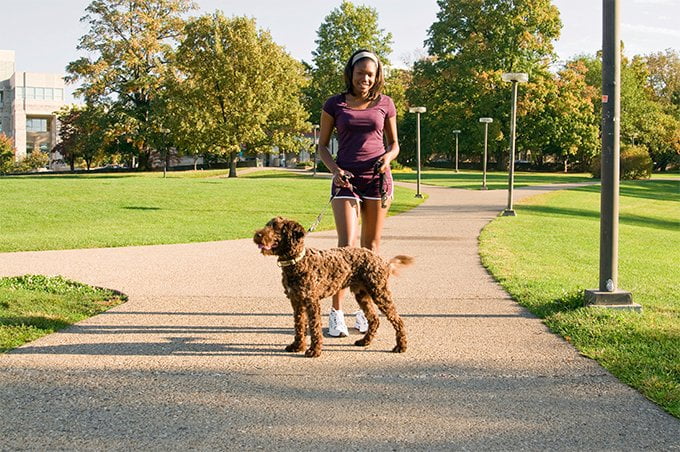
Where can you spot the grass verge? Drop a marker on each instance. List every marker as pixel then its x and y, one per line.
pixel 112 210
pixel 547 255
pixel 33 306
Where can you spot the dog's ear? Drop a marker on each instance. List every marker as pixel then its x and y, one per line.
pixel 293 230
pixel 298 230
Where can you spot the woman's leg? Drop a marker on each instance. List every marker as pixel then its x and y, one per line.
pixel 372 221
pixel 346 224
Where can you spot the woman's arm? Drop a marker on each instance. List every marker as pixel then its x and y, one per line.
pixel 325 131
pixel 392 143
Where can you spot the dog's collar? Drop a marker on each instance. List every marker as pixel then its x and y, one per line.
pixel 292 261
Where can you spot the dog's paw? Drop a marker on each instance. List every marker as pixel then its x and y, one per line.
pixel 313 352
pixel 399 348
pixel 362 342
pixel 295 347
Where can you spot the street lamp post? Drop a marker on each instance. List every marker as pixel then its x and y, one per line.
pixel 456 132
pixel 609 295
pixel 515 78
pixel 316 148
pixel 418 111
pixel 486 122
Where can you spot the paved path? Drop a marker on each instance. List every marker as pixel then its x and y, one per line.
pixel 194 359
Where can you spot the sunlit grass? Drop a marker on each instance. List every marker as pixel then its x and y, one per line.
pixel 549 254
pixel 112 210
pixel 32 306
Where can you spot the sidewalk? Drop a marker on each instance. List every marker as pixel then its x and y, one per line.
pixel 194 359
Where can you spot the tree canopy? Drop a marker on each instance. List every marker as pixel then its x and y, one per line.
pixel 346 29
pixel 130 43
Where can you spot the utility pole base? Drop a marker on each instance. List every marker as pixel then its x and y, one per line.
pixel 618 299
pixel 509 213
pixel 418 195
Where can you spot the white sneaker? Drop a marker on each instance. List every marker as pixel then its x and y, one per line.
pixel 336 324
pixel 361 322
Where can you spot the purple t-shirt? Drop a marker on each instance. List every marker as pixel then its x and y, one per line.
pixel 360 132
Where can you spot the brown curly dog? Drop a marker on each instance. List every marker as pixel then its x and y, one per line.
pixel 310 275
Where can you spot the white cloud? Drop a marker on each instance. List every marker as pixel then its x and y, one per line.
pixel 653 2
pixel 651 30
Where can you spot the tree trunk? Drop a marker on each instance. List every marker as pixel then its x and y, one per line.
pixel 232 164
pixel 566 163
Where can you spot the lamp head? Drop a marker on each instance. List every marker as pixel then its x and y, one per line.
pixel 417 110
pixel 521 77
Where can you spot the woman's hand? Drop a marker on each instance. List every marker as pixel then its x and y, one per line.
pixel 341 178
pixel 385 165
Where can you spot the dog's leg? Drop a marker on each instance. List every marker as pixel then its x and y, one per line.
pixel 383 299
pixel 366 305
pixel 300 328
pixel 314 317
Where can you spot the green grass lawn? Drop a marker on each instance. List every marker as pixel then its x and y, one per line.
pixel 494 180
pixel 32 306
pixel 111 210
pixel 547 255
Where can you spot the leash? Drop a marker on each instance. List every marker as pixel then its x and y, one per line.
pixel 383 194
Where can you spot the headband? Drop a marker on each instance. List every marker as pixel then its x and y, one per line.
pixel 361 55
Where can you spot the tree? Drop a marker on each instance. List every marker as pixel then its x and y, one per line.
pixel 345 30
pixel 6 154
pixel 130 42
pixel 470 45
pixel 241 91
pixel 512 35
pixel 85 133
pixel 664 79
pixel 67 146
pixel 567 126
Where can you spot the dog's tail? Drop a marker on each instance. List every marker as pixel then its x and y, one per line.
pixel 397 262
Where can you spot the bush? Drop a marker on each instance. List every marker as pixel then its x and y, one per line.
pixel 6 154
pixel 635 163
pixel 32 162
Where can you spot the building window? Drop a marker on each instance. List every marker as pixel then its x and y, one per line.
pixel 2 97
pixel 49 93
pixel 36 125
pixel 44 148
pixel 58 94
pixel 30 92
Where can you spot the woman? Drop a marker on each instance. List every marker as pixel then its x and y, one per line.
pixel 362 182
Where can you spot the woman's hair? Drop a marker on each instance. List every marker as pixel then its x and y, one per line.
pixel 377 87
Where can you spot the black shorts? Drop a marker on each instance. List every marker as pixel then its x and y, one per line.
pixel 365 185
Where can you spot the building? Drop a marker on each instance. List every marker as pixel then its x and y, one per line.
pixel 28 103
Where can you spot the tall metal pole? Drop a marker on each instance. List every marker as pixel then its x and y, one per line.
pixel 486 134
pixel 608 293
pixel 456 132
pixel 611 113
pixel 511 173
pixel 418 195
pixel 316 150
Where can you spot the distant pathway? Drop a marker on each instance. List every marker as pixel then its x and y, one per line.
pixel 194 359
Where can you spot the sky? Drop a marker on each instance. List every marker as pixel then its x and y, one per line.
pixel 44 33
